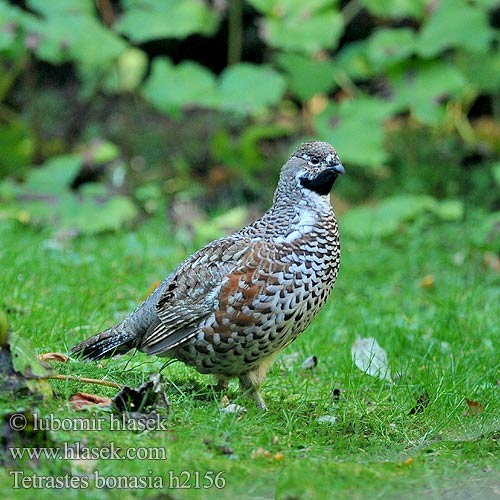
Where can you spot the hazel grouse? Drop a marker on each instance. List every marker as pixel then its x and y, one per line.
pixel 232 306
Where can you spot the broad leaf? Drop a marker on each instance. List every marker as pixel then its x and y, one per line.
pixel 397 8
pixel 307 76
pixel 145 20
pixel 425 86
pixel 353 60
pixel 128 71
pixel 482 72
pixel 370 358
pixel 308 35
pixel 57 173
pixel 455 23
pixel 386 218
pixel 70 30
pixel 356 128
pixel 389 46
pixel 295 25
pixel 171 88
pixel 249 88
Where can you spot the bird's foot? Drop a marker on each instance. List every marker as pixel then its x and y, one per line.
pixel 220 386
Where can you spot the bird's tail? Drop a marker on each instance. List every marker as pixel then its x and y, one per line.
pixel 106 344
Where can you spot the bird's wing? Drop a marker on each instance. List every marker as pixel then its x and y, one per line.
pixel 195 289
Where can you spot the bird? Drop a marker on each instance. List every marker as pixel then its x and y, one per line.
pixel 229 308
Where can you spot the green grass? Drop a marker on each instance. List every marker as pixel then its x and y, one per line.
pixel 443 340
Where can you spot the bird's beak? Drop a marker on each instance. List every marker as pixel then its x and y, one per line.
pixel 338 168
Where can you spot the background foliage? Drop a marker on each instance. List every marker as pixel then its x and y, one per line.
pixel 107 108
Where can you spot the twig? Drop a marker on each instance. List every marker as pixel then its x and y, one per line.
pixel 351 10
pixel 235 32
pixel 84 380
pixel 106 12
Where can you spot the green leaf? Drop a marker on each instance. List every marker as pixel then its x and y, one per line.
pixel 10 18
pixel 482 72
pixel 295 25
pixel 355 127
pixel 397 8
pixel 70 30
pixel 91 216
pixel 244 88
pixel 249 88
pixel 353 60
pixel 496 172
pixel 16 148
pixel 307 35
pixel 46 198
pixel 449 210
pixel 128 71
pixel 486 233
pixel 307 76
pixel 385 218
pixel 24 360
pixel 61 7
pixel 389 46
pixel 171 88
pixel 145 20
pixel 455 23
pixel 26 364
pixel 56 174
pixel 424 87
pixel 280 8
pixel 103 152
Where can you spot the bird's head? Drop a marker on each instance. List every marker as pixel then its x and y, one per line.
pixel 313 167
pixel 319 168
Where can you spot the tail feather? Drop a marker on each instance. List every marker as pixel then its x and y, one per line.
pixel 126 335
pixel 104 345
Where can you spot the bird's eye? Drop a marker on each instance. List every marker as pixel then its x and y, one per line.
pixel 314 161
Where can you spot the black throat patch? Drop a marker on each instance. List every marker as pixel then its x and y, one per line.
pixel 321 183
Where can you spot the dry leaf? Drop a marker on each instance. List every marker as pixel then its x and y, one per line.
pixel 473 408
pixel 310 363
pixel 492 261
pixel 53 356
pixel 290 359
pixel 428 281
pixel 260 452
pixel 81 400
pixel 234 408
pixel 370 358
pixel 327 419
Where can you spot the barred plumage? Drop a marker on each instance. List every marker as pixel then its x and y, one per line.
pixel 231 306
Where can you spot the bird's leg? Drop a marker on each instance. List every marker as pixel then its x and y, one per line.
pixel 221 385
pixel 251 382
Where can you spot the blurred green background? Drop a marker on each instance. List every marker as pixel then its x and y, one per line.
pixel 112 111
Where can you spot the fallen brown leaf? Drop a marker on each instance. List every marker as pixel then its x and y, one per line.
pixel 81 400
pixel 492 261
pixel 473 408
pixel 53 356
pixel 260 452
pixel 428 281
